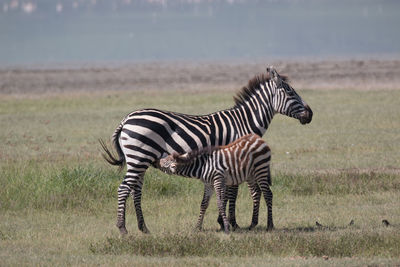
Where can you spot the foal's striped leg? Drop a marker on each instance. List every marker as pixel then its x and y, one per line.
pixel 256 196
pixel 231 193
pixel 266 190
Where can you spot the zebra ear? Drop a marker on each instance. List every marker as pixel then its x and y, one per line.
pixel 271 70
pixel 274 76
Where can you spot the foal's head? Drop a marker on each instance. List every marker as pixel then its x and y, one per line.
pixel 168 164
pixel 171 163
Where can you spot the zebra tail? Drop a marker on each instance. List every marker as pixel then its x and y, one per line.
pixel 108 156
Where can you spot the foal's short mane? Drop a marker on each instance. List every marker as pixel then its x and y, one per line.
pixel 253 86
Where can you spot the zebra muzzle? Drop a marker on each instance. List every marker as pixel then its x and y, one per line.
pixel 306 116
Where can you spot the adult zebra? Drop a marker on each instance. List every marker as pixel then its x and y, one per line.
pixel 246 159
pixel 145 136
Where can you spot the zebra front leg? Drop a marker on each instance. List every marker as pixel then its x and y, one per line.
pixel 204 204
pixel 123 192
pixel 268 199
pixel 255 192
pixel 219 187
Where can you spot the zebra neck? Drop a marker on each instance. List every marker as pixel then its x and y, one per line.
pixel 253 117
pixel 192 169
pixel 187 172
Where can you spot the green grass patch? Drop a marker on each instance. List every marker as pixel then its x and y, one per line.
pixel 159 184
pixel 56 187
pixel 35 186
pixel 349 130
pixel 50 187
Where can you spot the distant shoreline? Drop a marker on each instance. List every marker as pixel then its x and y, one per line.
pixel 233 61
pixel 315 74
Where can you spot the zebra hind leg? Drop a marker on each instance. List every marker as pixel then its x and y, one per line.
pixel 131 183
pixel 256 196
pixel 123 192
pixel 137 198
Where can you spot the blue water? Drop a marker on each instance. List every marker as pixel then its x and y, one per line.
pixel 216 30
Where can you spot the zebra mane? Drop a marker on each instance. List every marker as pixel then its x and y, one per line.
pixel 252 87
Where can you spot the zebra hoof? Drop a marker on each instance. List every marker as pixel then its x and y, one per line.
pixel 235 227
pixel 143 228
pixel 224 229
pixel 221 229
pixel 123 230
pixel 227 229
pixel 251 227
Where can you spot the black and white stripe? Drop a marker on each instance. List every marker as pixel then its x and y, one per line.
pixel 145 136
pixel 246 159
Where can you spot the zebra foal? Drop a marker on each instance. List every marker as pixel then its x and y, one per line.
pixel 246 159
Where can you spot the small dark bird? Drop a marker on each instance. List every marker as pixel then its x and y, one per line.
pixel 318 224
pixel 385 223
pixel 351 222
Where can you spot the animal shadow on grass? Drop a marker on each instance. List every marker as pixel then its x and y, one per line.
pixel 261 229
pixel 306 229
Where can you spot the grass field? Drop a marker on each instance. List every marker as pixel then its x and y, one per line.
pixel 58 196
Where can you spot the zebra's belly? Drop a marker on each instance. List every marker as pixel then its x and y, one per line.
pixel 235 179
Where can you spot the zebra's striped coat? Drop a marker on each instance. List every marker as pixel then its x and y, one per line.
pixel 246 159
pixel 145 136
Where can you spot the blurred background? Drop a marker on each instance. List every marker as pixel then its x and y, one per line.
pixel 76 31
